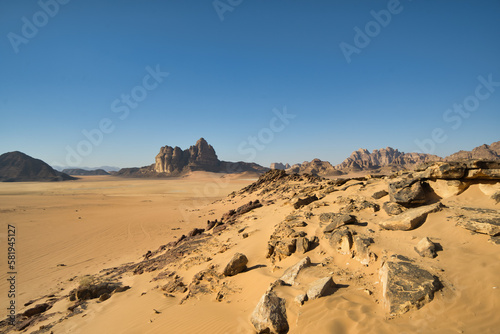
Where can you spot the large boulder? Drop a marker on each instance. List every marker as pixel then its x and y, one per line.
pixel 446 170
pixel 236 265
pixel 292 272
pixel 483 174
pixel 322 287
pixel 406 286
pixel 410 219
pixel 407 192
pixel 269 316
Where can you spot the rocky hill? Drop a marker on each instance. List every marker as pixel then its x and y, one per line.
pixel 173 161
pixel 488 152
pixel 17 166
pixel 315 167
pixel 79 171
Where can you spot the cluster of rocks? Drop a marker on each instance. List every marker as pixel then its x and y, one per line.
pixel 286 240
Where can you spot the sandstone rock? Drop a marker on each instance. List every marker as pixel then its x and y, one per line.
pixel 292 272
pixel 393 208
pixel 341 241
pixel 301 299
pixel 302 245
pixel 483 174
pixel 426 248
pixel 195 231
pixel 380 194
pixel 339 220
pixel 411 218
pixel 269 315
pixel 485 221
pixel 236 265
pixel 406 286
pixel 320 288
pixel 407 192
pixel 361 250
pixel 446 170
pixel 300 202
pixel 448 188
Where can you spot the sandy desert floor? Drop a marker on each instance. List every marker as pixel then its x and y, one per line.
pixel 102 222
pixel 96 222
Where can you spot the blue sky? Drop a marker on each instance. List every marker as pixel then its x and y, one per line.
pixel 225 78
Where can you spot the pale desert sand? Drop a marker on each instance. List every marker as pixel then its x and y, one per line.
pixel 121 219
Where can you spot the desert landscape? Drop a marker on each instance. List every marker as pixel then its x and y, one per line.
pixel 414 251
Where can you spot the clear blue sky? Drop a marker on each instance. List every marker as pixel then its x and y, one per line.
pixel 227 76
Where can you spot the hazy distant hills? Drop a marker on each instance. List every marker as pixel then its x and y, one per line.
pixel 82 172
pixel 387 160
pixel 17 166
pixel 105 168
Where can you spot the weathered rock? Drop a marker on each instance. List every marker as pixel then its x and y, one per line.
pixel 407 192
pixel 302 245
pixel 483 174
pixel 322 287
pixel 380 194
pixel 40 308
pixel 292 272
pixel 356 203
pixel 485 221
pixel 339 220
pixel 269 315
pixel 236 265
pixel 426 248
pixel 175 286
pixel 496 197
pixel 301 299
pixel 393 208
pixel 104 296
pixel 448 188
pixel 300 202
pixel 406 286
pixel 446 170
pixel 411 218
pixel 195 231
pixel 361 250
pixel 341 241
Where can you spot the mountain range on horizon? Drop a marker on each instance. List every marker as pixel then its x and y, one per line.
pixel 173 161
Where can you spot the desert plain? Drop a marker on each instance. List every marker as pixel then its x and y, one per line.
pixel 104 226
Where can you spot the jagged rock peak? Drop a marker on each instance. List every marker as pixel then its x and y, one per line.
pixel 173 161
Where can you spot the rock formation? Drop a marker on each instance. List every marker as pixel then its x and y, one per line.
pixel 315 167
pixel 79 171
pixel 17 166
pixel 279 165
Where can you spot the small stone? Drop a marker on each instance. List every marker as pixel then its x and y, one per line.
pixel 426 248
pixel 320 288
pixel 236 265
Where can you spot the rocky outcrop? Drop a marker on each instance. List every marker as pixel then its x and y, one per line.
pixel 17 167
pixel 410 219
pixel 484 152
pixel 484 221
pixel 406 286
pixel 315 167
pixel 269 316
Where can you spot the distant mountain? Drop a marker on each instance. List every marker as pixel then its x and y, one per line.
pixel 487 152
pixel 105 168
pixel 79 171
pixel 17 166
pixel 279 165
pixel 362 159
pixel 173 161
